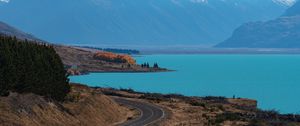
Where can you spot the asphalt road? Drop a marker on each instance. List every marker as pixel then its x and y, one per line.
pixel 149 113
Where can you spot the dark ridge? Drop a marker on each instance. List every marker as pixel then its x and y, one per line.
pixel 8 30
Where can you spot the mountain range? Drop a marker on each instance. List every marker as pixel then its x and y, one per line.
pixel 283 32
pixel 137 22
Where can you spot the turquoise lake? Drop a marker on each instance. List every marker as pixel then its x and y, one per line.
pixel 273 80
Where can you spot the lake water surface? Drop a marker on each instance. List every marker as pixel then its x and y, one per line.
pixel 273 80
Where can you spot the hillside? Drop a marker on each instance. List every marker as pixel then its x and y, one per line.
pixel 11 31
pixel 82 61
pixel 35 90
pixel 88 108
pixel 182 110
pixel 137 22
pixel 283 32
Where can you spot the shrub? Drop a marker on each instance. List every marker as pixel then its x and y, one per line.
pixel 129 90
pixel 197 103
pixel 153 96
pixel 227 117
pixel 115 58
pixel 214 98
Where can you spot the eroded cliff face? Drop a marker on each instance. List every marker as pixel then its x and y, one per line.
pixel 84 107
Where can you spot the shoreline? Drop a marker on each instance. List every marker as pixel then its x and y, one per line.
pixel 115 92
pixel 123 71
pixel 212 109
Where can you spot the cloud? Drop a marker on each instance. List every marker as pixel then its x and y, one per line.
pixel 5 1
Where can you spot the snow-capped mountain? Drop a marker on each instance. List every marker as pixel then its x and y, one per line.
pixel 144 22
pixel 285 2
pixel 280 2
pixel 4 1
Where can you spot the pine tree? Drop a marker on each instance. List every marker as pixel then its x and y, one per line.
pixel 31 67
pixel 155 65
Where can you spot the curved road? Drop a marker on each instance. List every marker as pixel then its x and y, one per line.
pixel 149 113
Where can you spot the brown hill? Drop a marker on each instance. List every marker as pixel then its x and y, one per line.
pixel 79 61
pixel 85 107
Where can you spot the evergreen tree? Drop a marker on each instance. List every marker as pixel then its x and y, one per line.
pixel 31 67
pixel 155 65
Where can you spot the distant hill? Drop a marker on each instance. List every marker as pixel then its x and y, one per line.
pixel 137 22
pixel 113 50
pixel 283 32
pixel 5 29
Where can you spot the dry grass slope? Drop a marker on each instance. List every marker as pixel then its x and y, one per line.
pixel 85 61
pixel 88 109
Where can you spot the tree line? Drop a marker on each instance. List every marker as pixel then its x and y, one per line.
pixel 31 67
pixel 114 50
pixel 146 65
